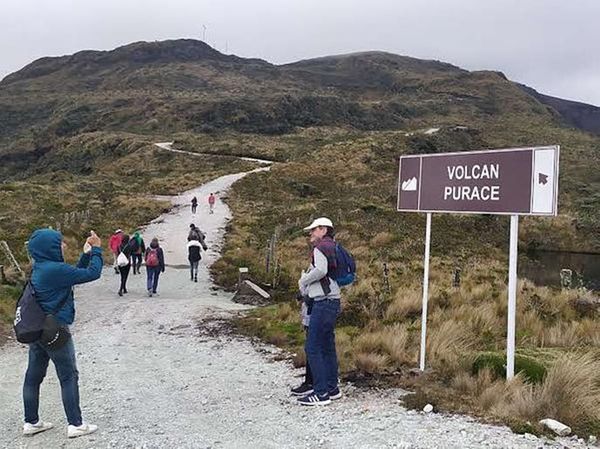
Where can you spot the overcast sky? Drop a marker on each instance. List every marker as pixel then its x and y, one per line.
pixel 551 45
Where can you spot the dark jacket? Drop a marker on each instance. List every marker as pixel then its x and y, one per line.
pixel 53 279
pixel 194 248
pixel 128 248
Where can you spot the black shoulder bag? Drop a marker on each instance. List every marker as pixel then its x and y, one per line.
pixel 33 324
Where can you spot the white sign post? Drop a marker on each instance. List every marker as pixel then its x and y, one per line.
pixel 518 181
pixel 512 296
pixel 425 293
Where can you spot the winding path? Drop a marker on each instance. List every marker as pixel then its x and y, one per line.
pixel 151 378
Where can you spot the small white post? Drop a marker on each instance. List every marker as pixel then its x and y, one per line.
pixel 425 293
pixel 512 296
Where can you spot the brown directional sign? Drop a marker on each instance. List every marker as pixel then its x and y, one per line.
pixel 520 181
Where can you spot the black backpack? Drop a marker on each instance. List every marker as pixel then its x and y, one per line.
pixel 31 321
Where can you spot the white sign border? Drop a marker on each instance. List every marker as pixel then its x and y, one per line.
pixel 463 212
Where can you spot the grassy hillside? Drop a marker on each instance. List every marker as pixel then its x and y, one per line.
pixel 76 133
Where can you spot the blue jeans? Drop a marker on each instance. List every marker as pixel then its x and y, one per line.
pixel 152 280
pixel 66 370
pixel 320 345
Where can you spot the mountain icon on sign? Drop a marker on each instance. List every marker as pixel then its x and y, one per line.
pixel 542 179
pixel 410 185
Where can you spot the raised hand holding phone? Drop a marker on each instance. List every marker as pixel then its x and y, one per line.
pixel 93 239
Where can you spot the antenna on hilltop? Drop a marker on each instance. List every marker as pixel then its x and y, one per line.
pixel 204 33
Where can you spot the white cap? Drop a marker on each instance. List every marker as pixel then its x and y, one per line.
pixel 118 230
pixel 322 221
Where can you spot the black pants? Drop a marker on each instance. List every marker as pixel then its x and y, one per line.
pixel 136 261
pixel 124 274
pixel 194 206
pixel 308 377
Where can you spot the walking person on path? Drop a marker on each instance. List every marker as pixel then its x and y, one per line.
pixel 126 248
pixel 194 204
pixel 211 202
pixel 155 264
pixel 114 244
pixel 194 256
pixel 139 248
pixel 195 233
pixel 318 284
pixel 52 280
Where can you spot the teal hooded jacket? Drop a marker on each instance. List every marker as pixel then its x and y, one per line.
pixel 53 279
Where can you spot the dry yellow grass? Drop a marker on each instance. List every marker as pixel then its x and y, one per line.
pixel 345 351
pixel 570 394
pixel 448 348
pixel 392 341
pixel 371 363
pixel 407 302
pixel 382 239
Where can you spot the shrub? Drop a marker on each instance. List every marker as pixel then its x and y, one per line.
pixel 530 369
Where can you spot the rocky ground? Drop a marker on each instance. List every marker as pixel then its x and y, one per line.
pixel 154 375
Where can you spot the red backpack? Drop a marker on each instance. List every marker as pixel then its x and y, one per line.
pixel 152 258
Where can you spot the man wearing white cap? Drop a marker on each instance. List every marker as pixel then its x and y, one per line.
pixel 319 285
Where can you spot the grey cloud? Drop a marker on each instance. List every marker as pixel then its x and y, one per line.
pixel 551 45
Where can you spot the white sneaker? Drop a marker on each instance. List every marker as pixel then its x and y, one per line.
pixel 40 426
pixel 79 431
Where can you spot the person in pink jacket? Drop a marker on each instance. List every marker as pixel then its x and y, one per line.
pixel 211 202
pixel 115 244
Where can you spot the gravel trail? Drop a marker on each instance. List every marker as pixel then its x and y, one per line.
pixel 151 379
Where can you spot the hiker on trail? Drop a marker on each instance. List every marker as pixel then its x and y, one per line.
pixel 114 244
pixel 211 202
pixel 124 261
pixel 155 264
pixel 139 248
pixel 318 285
pixel 306 387
pixel 194 204
pixel 195 233
pixel 194 256
pixel 52 280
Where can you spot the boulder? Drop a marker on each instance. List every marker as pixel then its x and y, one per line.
pixel 557 427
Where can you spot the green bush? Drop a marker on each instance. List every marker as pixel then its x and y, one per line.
pixel 532 370
pixel 8 300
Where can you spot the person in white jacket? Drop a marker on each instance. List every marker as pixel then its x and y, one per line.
pixel 323 293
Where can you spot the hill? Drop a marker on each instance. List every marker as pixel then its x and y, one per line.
pixel 579 115
pixel 76 134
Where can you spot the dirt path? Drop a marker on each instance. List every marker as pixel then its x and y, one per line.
pixel 168 146
pixel 151 379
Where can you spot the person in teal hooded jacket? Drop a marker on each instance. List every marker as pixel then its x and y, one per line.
pixel 53 279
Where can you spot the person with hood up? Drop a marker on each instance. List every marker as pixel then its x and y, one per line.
pixel 194 204
pixel 194 256
pixel 114 244
pixel 139 248
pixel 126 248
pixel 155 264
pixel 52 280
